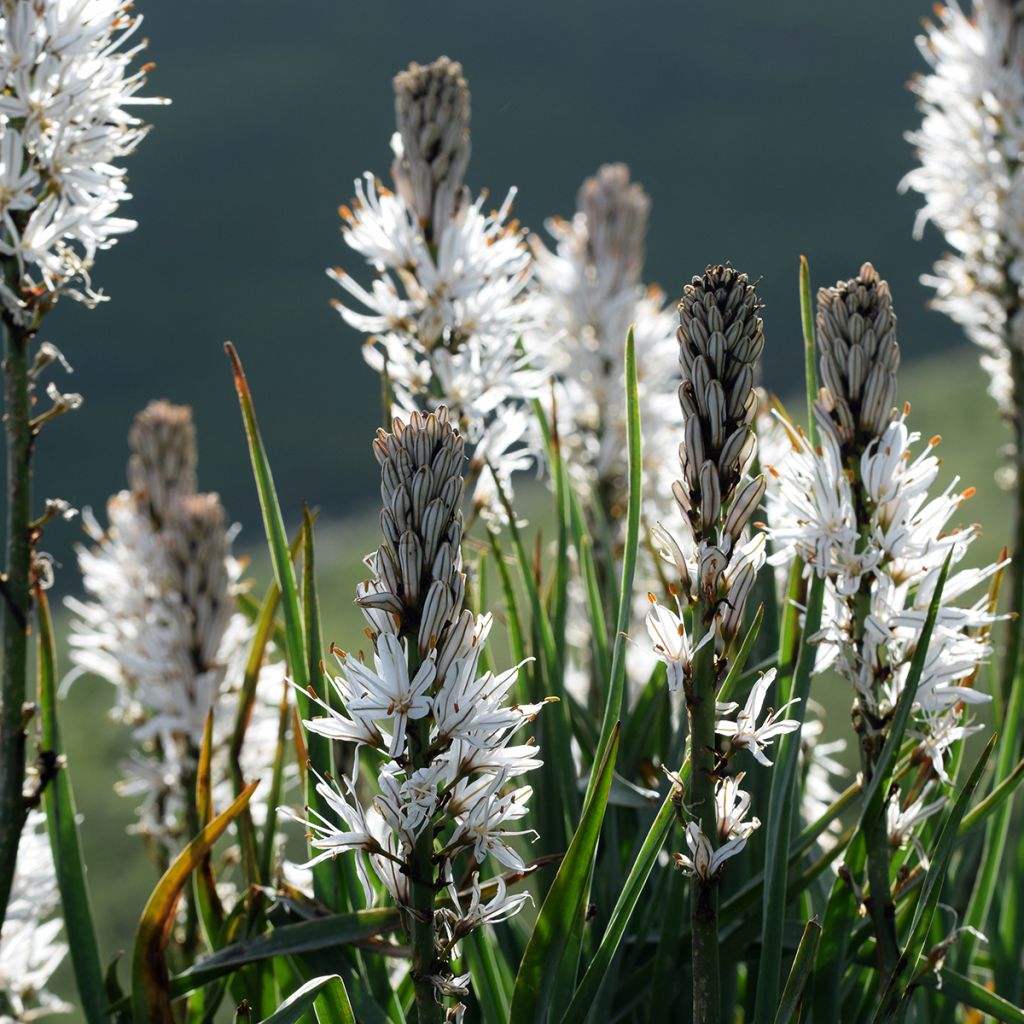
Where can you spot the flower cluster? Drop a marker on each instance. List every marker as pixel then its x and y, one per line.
pixel 857 511
pixel 715 561
pixel 161 623
pixel 447 781
pixel 591 294
pixel 450 316
pixel 67 81
pixel 972 179
pixel 30 949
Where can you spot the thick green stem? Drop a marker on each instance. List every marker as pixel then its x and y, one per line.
pixel 879 902
pixel 700 704
pixel 16 601
pixel 421 881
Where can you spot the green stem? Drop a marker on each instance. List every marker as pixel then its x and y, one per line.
pixel 700 705
pixel 421 879
pixel 16 600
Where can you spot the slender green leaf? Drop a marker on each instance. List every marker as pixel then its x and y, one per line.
pixel 970 993
pixel 211 913
pixel 810 368
pixel 304 998
pixel 62 825
pixel 799 973
pixel 564 905
pixel 302 937
pixel 615 704
pixel 151 997
pixel 652 845
pixel 780 818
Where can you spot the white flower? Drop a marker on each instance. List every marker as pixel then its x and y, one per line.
pixel 745 732
pixel 30 949
pixel 671 644
pixel 705 861
pixel 389 693
pixel 67 84
pixel 481 809
pixel 499 907
pixel 901 822
pixel 450 316
pixel 591 294
pixel 970 177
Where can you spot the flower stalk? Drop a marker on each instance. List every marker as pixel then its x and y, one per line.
pixel 17 601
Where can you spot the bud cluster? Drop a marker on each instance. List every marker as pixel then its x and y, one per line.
pixel 442 728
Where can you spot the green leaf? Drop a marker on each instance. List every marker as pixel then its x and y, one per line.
pixel 211 912
pixel 62 825
pixel 652 845
pixel 284 572
pixel 564 905
pixel 302 937
pixel 615 704
pixel 799 973
pixel 891 1000
pixel 970 993
pixel 810 369
pixel 782 799
pixel 309 996
pixel 151 995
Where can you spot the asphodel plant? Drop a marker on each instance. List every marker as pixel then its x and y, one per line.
pixel 343 825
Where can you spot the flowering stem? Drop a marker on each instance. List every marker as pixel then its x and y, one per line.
pixel 1011 660
pixel 700 705
pixel 16 599
pixel 421 878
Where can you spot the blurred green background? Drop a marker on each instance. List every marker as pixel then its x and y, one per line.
pixel 762 131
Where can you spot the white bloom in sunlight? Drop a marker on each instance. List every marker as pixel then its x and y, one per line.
pixel 501 906
pixel 160 622
pixel 732 805
pixel 671 643
pixel 745 730
pixel 450 317
pixel 67 84
pixel 481 809
pixel 819 768
pixel 437 727
pixel 971 178
pixel 389 693
pixel 902 822
pixel 30 948
pixel 899 551
pixel 591 293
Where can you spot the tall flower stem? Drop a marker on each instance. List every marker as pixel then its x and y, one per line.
pixel 421 888
pixel 700 706
pixel 16 599
pixel 1015 631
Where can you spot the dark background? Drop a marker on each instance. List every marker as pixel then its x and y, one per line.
pixel 762 131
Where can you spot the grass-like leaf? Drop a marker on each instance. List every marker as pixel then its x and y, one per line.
pixel 781 803
pixel 563 907
pixel 955 987
pixel 308 997
pixel 799 973
pixel 151 994
pixel 288 940
pixel 61 823
pixel 615 702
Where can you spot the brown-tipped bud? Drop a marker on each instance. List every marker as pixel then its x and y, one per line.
pixel 196 533
pixel 432 146
pixel 162 466
pixel 859 357
pixel 419 564
pixel 720 340
pixel 617 211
